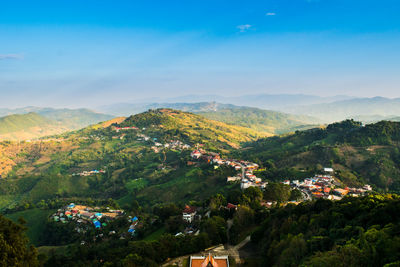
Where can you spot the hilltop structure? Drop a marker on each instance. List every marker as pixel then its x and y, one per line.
pixel 209 261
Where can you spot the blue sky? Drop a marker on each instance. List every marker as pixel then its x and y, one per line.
pixel 89 53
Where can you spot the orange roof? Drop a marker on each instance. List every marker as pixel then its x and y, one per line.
pixel 209 261
pixel 327 190
pixel 110 214
pixel 188 209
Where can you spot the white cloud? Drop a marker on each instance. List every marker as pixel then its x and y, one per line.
pixel 244 27
pixel 270 14
pixel 10 56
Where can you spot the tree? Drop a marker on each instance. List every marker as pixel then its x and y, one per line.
pixel 215 227
pixel 14 250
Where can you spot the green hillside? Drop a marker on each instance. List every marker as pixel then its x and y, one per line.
pixel 267 121
pixel 14 123
pixel 28 126
pixel 43 170
pixel 45 122
pixel 74 118
pixel 142 173
pixel 192 127
pixel 360 154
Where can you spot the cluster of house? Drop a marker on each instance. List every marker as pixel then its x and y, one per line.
pixel 85 215
pixel 173 144
pixel 88 173
pixel 118 129
pixel 134 222
pixel 324 186
pixel 246 176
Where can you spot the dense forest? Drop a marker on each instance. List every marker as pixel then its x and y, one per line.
pixel 351 232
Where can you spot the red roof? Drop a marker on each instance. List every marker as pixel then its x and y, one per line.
pixel 189 209
pixel 231 206
pixel 327 190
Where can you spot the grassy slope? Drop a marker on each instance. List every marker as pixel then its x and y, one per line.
pixel 194 127
pixel 267 121
pixel 35 221
pixel 28 126
pixel 42 170
pixel 47 122
pixel 74 118
pixel 361 154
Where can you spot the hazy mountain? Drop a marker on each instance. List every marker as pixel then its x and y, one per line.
pixel 366 109
pixel 28 126
pixel 33 122
pixel 74 118
pixel 267 121
pixel 125 109
pixel 264 101
pixel 70 118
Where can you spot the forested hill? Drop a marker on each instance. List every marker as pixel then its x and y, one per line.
pixel 266 121
pixel 152 148
pixel 31 122
pixel 192 127
pixel 366 154
pixel 271 122
pixel 28 126
pixel 350 232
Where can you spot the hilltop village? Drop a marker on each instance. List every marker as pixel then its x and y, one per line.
pixel 319 186
pixel 86 217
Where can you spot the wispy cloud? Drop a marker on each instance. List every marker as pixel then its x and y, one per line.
pixel 10 56
pixel 270 14
pixel 244 27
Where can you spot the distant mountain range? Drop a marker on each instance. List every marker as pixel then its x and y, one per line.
pixel 269 114
pixel 34 122
pixel 47 121
pixel 326 109
pixel 265 121
pixel 263 101
pixel 364 109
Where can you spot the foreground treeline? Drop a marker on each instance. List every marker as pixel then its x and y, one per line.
pixel 352 232
pixel 14 249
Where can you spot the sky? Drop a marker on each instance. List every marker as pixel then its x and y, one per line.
pixel 86 53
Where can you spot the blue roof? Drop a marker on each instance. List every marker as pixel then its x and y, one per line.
pixel 98 214
pixel 134 219
pixel 131 230
pixel 97 224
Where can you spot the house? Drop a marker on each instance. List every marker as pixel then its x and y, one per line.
pixel 189 213
pixel 367 187
pixel 196 154
pixel 97 224
pixel 328 170
pixel 245 184
pixel 233 179
pixel 209 261
pixel 231 206
pixel 340 192
pixel 327 190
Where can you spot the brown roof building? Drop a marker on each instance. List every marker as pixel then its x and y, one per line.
pixel 209 261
